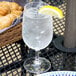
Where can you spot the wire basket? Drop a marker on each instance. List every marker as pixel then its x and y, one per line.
pixel 12 33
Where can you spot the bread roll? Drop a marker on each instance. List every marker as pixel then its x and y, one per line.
pixel 4 10
pixel 16 13
pixel 6 21
pixel 9 11
pixel 15 6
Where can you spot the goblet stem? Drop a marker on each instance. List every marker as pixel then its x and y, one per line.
pixel 36 54
pixel 37 58
pixel 37 62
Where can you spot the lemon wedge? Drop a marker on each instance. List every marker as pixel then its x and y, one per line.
pixel 51 10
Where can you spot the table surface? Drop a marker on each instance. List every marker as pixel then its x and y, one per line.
pixel 13 55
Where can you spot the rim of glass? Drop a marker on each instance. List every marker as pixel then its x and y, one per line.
pixel 35 2
pixel 33 71
pixel 27 6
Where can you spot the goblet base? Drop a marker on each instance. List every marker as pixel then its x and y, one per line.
pixel 37 65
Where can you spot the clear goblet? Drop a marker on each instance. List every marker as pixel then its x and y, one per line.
pixel 37 33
